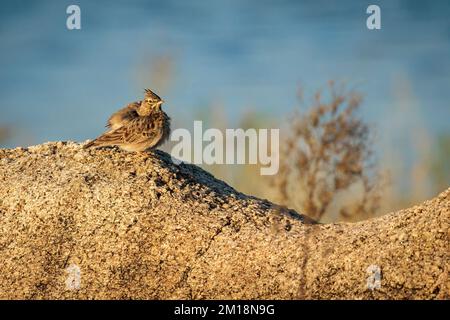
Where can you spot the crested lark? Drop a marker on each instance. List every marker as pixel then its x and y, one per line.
pixel 137 127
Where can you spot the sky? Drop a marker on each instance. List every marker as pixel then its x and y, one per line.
pixel 60 84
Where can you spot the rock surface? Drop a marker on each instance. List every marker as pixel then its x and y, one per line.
pixel 105 224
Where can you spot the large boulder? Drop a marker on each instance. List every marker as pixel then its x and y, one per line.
pixel 106 224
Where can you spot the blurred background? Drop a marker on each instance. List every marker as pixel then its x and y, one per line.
pixel 250 64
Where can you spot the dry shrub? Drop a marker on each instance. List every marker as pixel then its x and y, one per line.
pixel 161 72
pixel 326 160
pixel 156 71
pixel 440 166
pixel 4 134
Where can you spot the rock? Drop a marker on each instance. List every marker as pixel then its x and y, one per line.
pixel 105 224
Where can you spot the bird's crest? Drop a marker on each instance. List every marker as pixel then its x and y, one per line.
pixel 150 94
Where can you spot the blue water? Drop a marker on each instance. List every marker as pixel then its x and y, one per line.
pixel 57 84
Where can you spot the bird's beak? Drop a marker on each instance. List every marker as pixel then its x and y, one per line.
pixel 161 102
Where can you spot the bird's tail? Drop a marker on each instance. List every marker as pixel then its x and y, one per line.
pixel 90 144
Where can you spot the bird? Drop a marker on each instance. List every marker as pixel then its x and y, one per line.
pixel 140 126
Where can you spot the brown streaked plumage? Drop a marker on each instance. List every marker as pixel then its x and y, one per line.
pixel 122 116
pixel 137 127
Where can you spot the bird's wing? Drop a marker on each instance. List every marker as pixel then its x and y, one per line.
pixel 135 131
pixel 123 116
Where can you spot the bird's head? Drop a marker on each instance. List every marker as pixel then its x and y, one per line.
pixel 152 102
pixel 152 99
